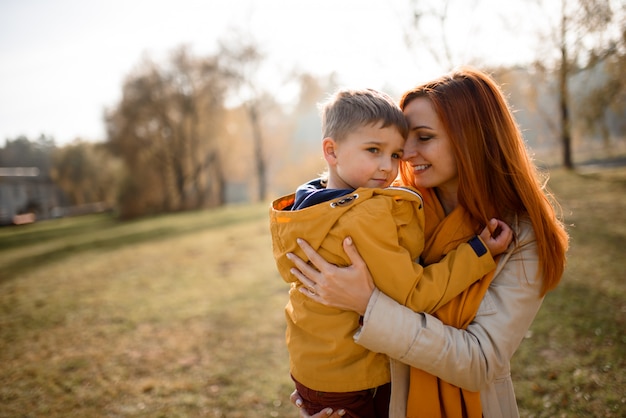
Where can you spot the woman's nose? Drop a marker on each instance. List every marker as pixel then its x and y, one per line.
pixel 410 150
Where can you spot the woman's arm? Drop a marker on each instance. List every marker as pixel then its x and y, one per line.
pixel 466 358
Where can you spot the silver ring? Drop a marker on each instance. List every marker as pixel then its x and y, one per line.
pixel 312 290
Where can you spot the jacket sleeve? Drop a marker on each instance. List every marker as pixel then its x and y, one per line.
pixel 469 358
pixel 457 271
pixel 389 259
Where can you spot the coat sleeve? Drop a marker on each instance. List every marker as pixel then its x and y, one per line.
pixel 470 358
pixel 387 252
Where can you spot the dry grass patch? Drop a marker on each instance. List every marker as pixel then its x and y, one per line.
pixel 172 327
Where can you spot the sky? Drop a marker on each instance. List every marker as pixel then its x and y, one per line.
pixel 63 62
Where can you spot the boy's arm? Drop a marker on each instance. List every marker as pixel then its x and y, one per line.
pixel 396 274
pixel 461 264
pixel 450 276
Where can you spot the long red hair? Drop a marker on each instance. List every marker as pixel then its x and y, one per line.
pixel 496 175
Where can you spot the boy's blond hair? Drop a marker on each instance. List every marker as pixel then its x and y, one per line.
pixel 350 109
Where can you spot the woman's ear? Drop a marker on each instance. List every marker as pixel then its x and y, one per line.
pixel 328 149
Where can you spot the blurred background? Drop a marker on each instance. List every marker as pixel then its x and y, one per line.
pixel 158 106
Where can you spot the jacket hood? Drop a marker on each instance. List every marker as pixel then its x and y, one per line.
pixel 323 216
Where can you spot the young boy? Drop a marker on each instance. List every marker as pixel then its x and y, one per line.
pixel 364 133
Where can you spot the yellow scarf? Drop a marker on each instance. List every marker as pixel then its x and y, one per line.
pixel 429 396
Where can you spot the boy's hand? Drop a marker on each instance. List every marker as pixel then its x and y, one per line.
pixel 497 236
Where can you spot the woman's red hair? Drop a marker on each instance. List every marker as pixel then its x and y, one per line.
pixel 496 176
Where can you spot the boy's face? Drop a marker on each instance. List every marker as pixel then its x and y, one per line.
pixel 367 157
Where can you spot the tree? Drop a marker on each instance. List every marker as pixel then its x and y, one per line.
pixel 574 36
pixel 582 34
pixel 605 98
pixel 87 173
pixel 165 129
pixel 242 59
pixel 21 152
pixel 428 30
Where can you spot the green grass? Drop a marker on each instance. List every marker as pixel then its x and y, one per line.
pixel 182 315
pixel 573 362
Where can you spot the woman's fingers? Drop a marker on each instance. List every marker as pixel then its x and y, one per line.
pixel 306 274
pixel 310 284
pixel 324 413
pixel 352 252
pixel 347 288
pixel 316 259
pixel 303 271
pixel 300 263
pixel 295 398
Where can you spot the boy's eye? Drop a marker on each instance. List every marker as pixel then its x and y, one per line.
pixel 373 150
pixel 396 155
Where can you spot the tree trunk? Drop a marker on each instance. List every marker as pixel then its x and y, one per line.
pixel 566 138
pixel 258 150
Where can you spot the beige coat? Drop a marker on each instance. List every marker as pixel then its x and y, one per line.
pixel 477 359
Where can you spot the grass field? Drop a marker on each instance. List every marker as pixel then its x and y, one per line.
pixel 182 316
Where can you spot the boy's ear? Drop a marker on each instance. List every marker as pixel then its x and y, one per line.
pixel 328 149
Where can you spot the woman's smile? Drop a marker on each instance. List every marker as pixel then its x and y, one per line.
pixel 420 167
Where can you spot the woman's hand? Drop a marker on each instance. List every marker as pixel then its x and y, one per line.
pixel 324 413
pixel 347 288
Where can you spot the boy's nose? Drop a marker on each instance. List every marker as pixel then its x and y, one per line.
pixel 386 164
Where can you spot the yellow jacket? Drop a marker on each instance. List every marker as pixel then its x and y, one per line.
pixel 387 227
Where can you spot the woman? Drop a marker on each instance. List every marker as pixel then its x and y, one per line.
pixel 467 156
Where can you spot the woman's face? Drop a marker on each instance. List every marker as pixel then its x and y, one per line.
pixel 428 150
